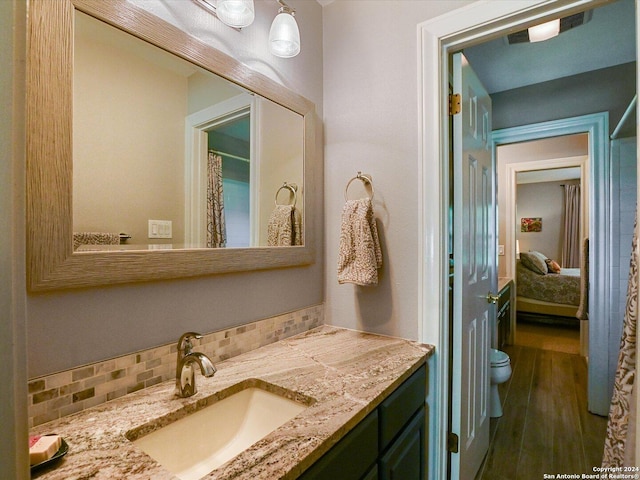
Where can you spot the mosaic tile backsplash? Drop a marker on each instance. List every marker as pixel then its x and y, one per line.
pixel 60 394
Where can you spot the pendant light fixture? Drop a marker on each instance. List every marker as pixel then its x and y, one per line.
pixel 233 13
pixel 236 13
pixel 284 36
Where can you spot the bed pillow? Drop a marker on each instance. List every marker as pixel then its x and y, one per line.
pixel 552 266
pixel 534 261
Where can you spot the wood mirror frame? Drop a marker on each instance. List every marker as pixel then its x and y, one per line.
pixel 51 262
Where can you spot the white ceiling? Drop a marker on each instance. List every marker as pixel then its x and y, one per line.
pixel 608 39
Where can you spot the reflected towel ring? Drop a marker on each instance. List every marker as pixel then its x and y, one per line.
pixel 364 178
pixel 293 188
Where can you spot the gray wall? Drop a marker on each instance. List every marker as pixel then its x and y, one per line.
pixel 72 328
pixel 609 89
pixel 544 199
pixel 371 125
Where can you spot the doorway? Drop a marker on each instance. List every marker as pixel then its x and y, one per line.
pixel 438 38
pixel 226 129
pixel 231 140
pixel 546 318
pixel 596 126
pixel 531 175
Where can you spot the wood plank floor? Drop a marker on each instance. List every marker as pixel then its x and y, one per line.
pixel 548 337
pixel 545 427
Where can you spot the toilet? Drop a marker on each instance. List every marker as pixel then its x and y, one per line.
pixel 500 373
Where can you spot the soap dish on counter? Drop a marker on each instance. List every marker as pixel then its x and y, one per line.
pixel 62 451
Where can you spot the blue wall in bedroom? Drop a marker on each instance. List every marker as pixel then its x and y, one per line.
pixel 609 89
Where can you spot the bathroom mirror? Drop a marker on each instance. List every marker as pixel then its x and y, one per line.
pixel 97 168
pixel 144 124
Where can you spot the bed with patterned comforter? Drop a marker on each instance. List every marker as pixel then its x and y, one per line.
pixel 550 294
pixel 563 287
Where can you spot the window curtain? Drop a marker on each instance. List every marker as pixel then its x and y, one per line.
pixel 571 240
pixel 216 230
pixel 619 446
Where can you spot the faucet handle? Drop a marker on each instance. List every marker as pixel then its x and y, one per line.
pixel 184 344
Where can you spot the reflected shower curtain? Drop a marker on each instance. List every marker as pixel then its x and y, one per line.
pixel 216 230
pixel 571 240
pixel 619 446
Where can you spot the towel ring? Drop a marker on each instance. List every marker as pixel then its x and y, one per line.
pixel 293 188
pixel 364 178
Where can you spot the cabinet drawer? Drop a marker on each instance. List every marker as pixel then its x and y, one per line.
pixel 405 459
pixel 352 457
pixel 372 474
pixel 400 406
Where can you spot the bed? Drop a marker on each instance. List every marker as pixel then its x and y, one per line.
pixel 549 294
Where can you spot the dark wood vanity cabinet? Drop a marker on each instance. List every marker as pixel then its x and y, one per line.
pixel 406 456
pixel 390 443
pixel 503 316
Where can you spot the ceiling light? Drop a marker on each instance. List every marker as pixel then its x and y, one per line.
pixel 284 36
pixel 566 23
pixel 236 13
pixel 545 31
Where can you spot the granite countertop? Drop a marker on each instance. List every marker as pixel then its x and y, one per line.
pixel 344 374
pixel 502 282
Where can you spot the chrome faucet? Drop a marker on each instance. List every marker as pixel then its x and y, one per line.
pixel 185 375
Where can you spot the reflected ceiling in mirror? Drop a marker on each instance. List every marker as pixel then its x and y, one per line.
pixel 169 155
pixel 55 206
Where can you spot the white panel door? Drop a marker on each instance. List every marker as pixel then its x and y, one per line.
pixel 474 277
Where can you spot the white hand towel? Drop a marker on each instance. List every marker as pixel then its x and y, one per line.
pixel 359 255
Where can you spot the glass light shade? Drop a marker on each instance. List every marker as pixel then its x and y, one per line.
pixel 284 36
pixel 236 13
pixel 545 31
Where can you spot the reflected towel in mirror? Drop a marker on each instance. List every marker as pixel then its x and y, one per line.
pixel 359 256
pixel 95 238
pixel 285 227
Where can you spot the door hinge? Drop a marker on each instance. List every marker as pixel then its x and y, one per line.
pixel 455 103
pixel 452 442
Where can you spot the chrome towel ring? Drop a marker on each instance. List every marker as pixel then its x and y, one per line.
pixel 364 178
pixel 293 188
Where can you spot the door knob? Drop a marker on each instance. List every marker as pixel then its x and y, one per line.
pixel 491 298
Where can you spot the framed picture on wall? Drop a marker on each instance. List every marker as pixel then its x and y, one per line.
pixel 531 224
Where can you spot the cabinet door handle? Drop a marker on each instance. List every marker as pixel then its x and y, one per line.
pixel 492 298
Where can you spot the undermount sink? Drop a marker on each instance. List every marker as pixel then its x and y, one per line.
pixel 200 442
